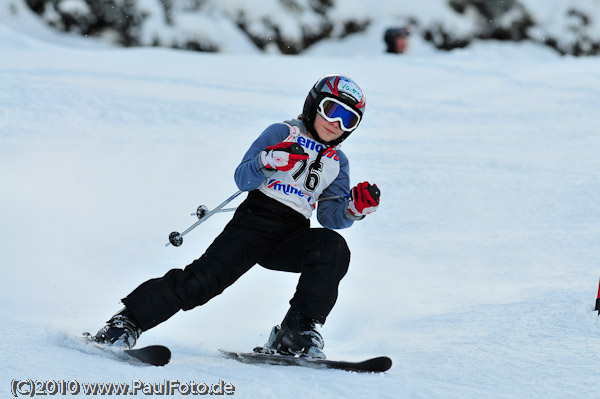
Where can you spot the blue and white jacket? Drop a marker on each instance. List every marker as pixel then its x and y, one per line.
pixel 300 187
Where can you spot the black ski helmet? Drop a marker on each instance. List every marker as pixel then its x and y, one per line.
pixel 336 86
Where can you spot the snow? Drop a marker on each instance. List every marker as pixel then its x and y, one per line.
pixel 477 275
pixel 74 7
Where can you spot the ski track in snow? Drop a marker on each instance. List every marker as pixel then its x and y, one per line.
pixel 477 274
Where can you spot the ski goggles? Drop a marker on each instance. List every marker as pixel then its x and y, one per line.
pixel 333 110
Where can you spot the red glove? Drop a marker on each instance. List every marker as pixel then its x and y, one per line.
pixel 365 199
pixel 283 156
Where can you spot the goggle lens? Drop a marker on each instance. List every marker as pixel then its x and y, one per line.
pixel 333 111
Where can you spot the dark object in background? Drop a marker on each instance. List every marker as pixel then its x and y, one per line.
pixel 598 301
pixel 396 39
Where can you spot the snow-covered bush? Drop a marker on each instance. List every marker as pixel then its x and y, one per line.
pixel 291 26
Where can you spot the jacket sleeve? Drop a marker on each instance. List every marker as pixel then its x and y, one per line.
pixel 250 173
pixel 331 213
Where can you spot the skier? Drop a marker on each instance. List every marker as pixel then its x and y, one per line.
pixel 272 226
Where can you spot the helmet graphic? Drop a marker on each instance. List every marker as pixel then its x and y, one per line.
pixel 336 98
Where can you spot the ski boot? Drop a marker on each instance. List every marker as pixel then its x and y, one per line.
pixel 296 336
pixel 120 330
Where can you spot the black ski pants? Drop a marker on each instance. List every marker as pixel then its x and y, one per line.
pixel 263 231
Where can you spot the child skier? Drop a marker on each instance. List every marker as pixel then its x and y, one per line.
pixel 284 185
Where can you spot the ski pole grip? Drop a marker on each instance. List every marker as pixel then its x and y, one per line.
pixel 375 193
pixel 296 148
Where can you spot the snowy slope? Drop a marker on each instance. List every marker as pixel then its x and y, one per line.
pixel 477 275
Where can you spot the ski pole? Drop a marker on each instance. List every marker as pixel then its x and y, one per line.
pixel 203 210
pixel 374 191
pixel 334 197
pixel 176 238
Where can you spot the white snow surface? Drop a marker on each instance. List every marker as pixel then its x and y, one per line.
pixel 477 275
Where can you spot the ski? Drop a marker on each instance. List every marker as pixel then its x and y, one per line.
pixel 373 365
pixel 154 355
